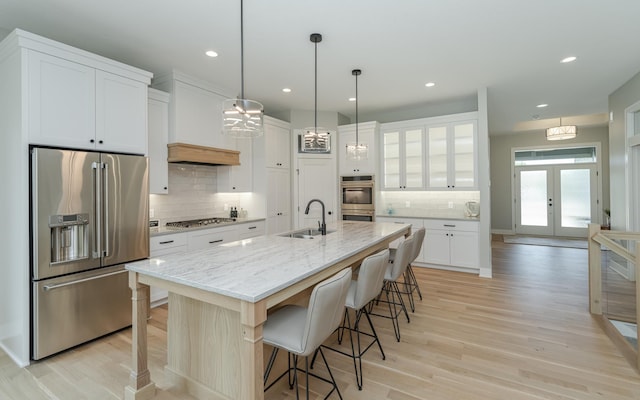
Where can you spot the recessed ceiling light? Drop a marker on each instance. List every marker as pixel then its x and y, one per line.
pixel 286 90
pixel 542 105
pixel 352 99
pixel 211 53
pixel 430 84
pixel 568 59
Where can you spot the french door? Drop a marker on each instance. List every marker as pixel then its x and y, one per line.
pixel 556 200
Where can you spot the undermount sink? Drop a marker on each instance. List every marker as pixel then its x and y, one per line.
pixel 306 233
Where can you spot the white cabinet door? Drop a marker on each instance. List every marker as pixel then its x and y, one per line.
pixel 207 238
pixel 277 142
pixel 316 180
pixel 161 246
pixel 452 155
pixel 464 249
pixel 61 102
pixel 403 159
pixel 278 200
pixel 237 178
pixel 250 229
pixel 158 126
pixel 121 114
pixel 436 247
pixel 367 135
pixel 197 117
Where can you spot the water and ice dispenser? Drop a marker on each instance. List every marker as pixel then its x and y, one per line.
pixel 69 237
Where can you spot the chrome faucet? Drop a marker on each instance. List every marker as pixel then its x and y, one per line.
pixel 323 226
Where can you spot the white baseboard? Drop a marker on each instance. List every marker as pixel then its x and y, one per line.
pixel 502 231
pixel 447 268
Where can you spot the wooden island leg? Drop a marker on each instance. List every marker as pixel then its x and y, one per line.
pixel 252 318
pixel 140 385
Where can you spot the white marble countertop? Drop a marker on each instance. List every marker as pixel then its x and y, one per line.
pixel 253 269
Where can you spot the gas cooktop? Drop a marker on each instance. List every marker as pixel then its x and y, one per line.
pixel 194 223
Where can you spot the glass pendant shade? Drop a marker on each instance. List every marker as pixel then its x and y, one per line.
pixel 242 118
pixel 562 132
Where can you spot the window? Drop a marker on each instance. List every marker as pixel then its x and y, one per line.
pixel 576 155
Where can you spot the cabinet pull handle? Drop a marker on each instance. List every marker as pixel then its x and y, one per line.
pixel 252 227
pixel 166 242
pixel 215 241
pixel 449 225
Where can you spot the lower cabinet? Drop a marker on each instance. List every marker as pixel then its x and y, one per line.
pixel 162 246
pixel 451 242
pixel 250 229
pixel 205 238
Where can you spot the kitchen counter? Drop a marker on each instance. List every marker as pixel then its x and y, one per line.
pixel 431 215
pixel 218 302
pixel 164 230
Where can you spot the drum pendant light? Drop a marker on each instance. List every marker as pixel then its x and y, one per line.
pixel 316 139
pixel 242 118
pixel 357 151
pixel 562 132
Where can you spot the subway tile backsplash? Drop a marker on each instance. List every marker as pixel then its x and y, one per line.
pixel 193 194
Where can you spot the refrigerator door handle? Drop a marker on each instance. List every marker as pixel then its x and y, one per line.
pixel 47 288
pixel 97 217
pixel 105 197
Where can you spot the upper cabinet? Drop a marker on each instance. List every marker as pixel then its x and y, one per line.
pixel 195 111
pixel 403 158
pixel 237 178
pixel 277 145
pixel 158 138
pixel 436 153
pixel 452 155
pixel 367 135
pixel 72 104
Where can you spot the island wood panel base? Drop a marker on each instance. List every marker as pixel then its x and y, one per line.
pixel 215 348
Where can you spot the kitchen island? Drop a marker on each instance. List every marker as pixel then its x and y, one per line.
pixel 219 299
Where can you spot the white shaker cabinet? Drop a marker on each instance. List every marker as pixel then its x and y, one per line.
pixel 277 139
pixel 206 238
pixel 452 155
pixel 451 242
pixel 365 164
pixel 250 229
pixel 278 200
pixel 158 126
pixel 78 106
pixel 237 178
pixel 161 246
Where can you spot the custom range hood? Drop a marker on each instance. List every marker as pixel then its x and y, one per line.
pixel 194 154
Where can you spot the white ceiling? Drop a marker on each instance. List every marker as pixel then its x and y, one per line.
pixel 511 47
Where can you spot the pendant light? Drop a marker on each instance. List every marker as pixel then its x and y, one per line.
pixel 357 151
pixel 562 132
pixel 316 139
pixel 242 118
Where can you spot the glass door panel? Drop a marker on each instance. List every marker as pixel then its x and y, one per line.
pixel 391 157
pixel 437 156
pixel 463 155
pixel 575 200
pixel 413 159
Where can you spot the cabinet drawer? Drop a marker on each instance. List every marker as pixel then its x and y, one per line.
pixel 210 237
pixel 157 243
pixel 253 229
pixel 452 225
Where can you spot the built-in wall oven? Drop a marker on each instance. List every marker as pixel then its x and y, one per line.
pixel 357 198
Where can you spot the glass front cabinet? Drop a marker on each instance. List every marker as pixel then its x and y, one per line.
pixel 437 154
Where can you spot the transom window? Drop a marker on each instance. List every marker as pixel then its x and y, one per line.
pixel 570 155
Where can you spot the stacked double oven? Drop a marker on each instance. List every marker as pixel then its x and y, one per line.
pixel 357 194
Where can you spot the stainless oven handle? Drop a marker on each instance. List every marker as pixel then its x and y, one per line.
pixel 52 287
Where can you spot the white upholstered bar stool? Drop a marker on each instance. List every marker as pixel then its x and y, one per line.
pixel 362 292
pixel 410 281
pixel 394 271
pixel 301 330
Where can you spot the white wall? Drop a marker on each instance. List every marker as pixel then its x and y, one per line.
pixel 501 178
pixel 623 97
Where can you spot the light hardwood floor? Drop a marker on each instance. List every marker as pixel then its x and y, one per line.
pixel 525 334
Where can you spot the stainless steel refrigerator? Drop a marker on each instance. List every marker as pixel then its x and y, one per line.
pixel 89 216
